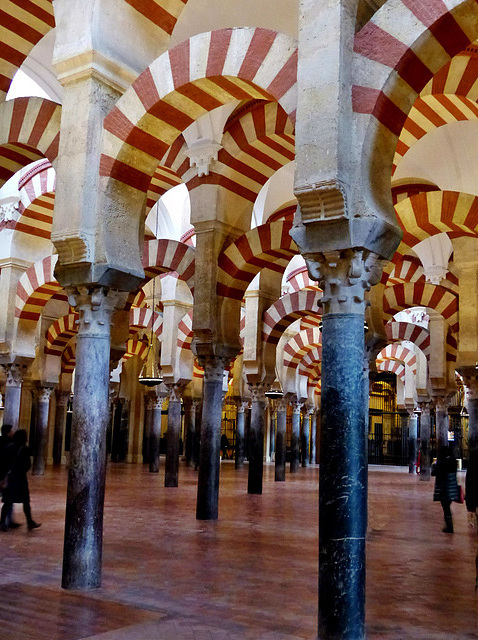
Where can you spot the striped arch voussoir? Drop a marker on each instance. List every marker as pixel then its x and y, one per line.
pixel 163 256
pixel 288 309
pixel 419 336
pixel 196 76
pixel 60 333
pixel 35 287
pixel 142 318
pixel 268 246
pixel 392 366
pixel 185 331
pixel 300 344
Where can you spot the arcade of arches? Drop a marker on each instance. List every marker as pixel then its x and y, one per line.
pixel 280 196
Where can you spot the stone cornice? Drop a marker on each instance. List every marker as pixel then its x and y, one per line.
pixel 92 64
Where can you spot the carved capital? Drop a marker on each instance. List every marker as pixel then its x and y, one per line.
pixel 174 392
pixel 345 277
pixel 258 390
pixel 214 366
pixel 296 406
pixel 441 403
pixel 282 404
pixel 14 374
pixel 470 379
pixel 43 394
pixel 242 406
pixel 95 306
pixel 62 398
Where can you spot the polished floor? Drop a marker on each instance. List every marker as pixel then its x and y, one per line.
pixel 251 575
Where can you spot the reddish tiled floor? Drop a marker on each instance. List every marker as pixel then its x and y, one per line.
pixel 252 575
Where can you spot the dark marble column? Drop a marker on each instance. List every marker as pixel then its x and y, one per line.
pixel 441 421
pixel 272 428
pixel 256 438
pixel 173 436
pixel 281 440
pixel 156 405
pixel 412 440
pixel 189 429
pixel 82 553
pixel 13 392
pixel 313 436
pixel 304 437
pixel 60 421
pixel 295 437
pixel 425 431
pixel 148 412
pixel 318 435
pixel 42 397
pixel 210 449
pixel 472 421
pixel 240 421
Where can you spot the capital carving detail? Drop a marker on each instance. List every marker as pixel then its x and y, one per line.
pixel 242 406
pixel 282 404
pixel 214 367
pixel 345 277
pixel 470 378
pixel 174 392
pixel 95 306
pixel 62 398
pixel 296 406
pixel 258 390
pixel 44 394
pixel 14 374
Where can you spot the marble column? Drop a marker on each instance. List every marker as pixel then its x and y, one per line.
pixel 60 421
pixel 156 404
pixel 441 421
pixel 470 378
pixel 412 440
pixel 295 437
pixel 42 396
pixel 148 412
pixel 272 427
pixel 256 438
pixel 344 276
pixel 210 449
pixel 171 476
pixel 313 436
pixel 189 428
pixel 82 552
pixel 425 432
pixel 13 392
pixel 241 408
pixel 304 437
pixel 318 435
pixel 281 440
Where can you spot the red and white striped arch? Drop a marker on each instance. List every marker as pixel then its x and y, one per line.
pixel 419 336
pixel 404 296
pixel 429 113
pixel 68 358
pixel 437 212
pixel 60 333
pixel 35 287
pixel 163 13
pixel 392 366
pixel 163 256
pixel 268 246
pixel 407 268
pixel 185 331
pixel 29 131
pixel 299 345
pixel 145 318
pixel 457 76
pixel 288 309
pixel 37 200
pixel 196 76
pixel 135 348
pixel 24 23
pixel 400 353
pixel 311 362
pixel 299 279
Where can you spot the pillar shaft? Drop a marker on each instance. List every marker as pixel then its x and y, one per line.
pixel 472 423
pixel 13 394
pixel 425 430
pixel 240 422
pixel 171 477
pixel 42 413
pixel 209 455
pixel 305 431
pixel 256 438
pixel 281 441
pixel 82 551
pixel 148 411
pixel 313 437
pixel 60 421
pixel 155 433
pixel 441 421
pixel 189 428
pixel 412 441
pixel 295 438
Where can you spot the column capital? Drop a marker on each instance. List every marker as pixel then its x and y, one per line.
pixel 258 390
pixel 296 406
pixel 14 374
pixel 425 407
pixel 95 305
pixel 441 402
pixel 214 366
pixel 282 404
pixel 175 391
pixel 43 394
pixel 470 380
pixel 345 276
pixel 62 397
pixel 242 405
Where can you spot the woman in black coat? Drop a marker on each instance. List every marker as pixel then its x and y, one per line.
pixel 18 456
pixel 471 486
pixel 446 486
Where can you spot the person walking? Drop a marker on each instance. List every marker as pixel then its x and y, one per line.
pixel 18 460
pixel 446 486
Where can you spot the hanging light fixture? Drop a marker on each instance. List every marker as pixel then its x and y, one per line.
pixel 275 392
pixel 150 375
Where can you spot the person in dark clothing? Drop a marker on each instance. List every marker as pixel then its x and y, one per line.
pixel 225 446
pixel 446 486
pixel 5 440
pixel 18 460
